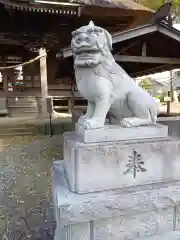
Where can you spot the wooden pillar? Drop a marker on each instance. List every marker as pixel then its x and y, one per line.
pixel 44 84
pixel 12 77
pixel 144 49
pixel 70 105
pixel 32 74
pixel 5 83
pixel 4 77
pixel 4 99
pixel 171 86
pixel 169 104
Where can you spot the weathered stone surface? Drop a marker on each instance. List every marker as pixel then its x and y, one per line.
pixel 172 123
pixel 133 213
pixel 117 133
pixel 106 86
pixel 133 227
pixel 3 106
pixel 178 217
pixel 78 231
pixel 75 208
pixel 111 165
pixel 166 236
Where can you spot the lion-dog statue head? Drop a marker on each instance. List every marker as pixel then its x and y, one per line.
pixel 90 45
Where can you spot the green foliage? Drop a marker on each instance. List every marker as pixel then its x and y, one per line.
pixel 146 84
pixel 161 98
pixel 176 3
pixel 158 97
pixel 155 4
pixel 178 97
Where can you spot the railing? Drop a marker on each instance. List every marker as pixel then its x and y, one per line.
pixel 65 104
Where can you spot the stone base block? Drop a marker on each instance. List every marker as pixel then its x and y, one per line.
pixel 117 133
pixel 110 165
pixel 3 106
pixel 171 236
pixel 143 212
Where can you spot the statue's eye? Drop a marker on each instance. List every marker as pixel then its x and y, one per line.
pixel 75 35
pixel 90 31
pixel 98 33
pixel 94 31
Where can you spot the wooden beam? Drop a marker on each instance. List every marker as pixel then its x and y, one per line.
pixel 132 33
pixel 66 52
pixel 142 59
pixel 149 71
pixel 123 50
pixel 172 33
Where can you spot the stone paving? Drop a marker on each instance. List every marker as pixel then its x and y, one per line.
pixel 25 184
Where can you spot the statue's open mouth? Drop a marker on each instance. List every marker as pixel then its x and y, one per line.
pixel 84 50
pixel 86 53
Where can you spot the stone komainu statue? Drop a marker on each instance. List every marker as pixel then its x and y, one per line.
pixel 106 86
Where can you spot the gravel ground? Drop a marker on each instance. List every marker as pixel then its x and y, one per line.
pixel 25 186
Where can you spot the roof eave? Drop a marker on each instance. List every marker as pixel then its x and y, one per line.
pixel 136 32
pixel 69 9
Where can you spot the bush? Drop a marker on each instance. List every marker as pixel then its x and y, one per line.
pixel 161 98
pixel 178 97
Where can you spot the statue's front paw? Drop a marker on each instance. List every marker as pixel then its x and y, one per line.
pixel 82 119
pixel 126 123
pixel 93 124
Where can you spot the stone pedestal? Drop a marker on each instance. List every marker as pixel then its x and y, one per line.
pixel 104 166
pixel 149 212
pixel 111 133
pixel 3 106
pixel 118 189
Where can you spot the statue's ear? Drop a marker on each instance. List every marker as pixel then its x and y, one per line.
pixel 108 39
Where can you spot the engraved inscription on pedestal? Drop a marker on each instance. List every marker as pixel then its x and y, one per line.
pixel 135 164
pixel 119 164
pixel 105 156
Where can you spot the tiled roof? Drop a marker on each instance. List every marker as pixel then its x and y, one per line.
pixel 55 5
